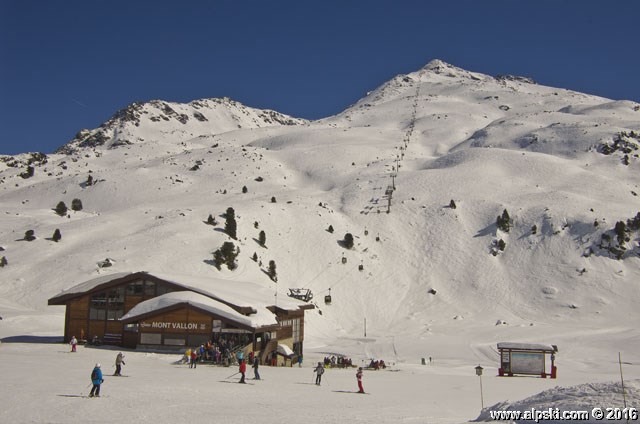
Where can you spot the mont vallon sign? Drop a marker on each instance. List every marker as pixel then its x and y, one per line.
pixel 168 325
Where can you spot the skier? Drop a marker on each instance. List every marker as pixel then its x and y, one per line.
pixel 96 379
pixel 256 362
pixel 299 360
pixel 73 343
pixel 319 370
pixel 194 358
pixel 119 364
pixel 243 369
pixel 359 377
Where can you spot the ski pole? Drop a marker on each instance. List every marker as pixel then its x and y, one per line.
pixel 232 375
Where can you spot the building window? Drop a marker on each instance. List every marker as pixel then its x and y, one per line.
pixel 174 340
pixel 151 338
pixel 162 289
pixel 131 327
pixel 98 306
pixel 149 288
pixel 135 288
pixel 115 303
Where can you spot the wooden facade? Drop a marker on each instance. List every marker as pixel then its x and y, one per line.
pixel 97 312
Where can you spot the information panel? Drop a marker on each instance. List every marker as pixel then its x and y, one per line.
pixel 527 363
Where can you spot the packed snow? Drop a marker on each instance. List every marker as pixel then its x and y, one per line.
pixel 426 281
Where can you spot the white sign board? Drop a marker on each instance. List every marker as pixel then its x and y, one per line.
pixel 527 363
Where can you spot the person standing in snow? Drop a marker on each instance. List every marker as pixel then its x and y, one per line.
pixel 96 379
pixel 242 370
pixel 73 343
pixel 119 364
pixel 359 377
pixel 319 370
pixel 256 363
pixel 194 358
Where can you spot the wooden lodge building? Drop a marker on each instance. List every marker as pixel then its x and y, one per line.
pixel 141 310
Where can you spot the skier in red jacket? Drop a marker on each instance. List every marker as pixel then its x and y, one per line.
pixel 243 369
pixel 359 377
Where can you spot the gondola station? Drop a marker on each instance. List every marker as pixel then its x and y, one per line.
pixel 526 359
pixel 161 312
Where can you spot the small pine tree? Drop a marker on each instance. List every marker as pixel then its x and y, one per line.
pixel 330 229
pixel 89 181
pixel 273 199
pixel 452 204
pixel 262 238
pixel 3 262
pixel 29 235
pixel 56 235
pixel 61 209
pixel 272 271
pixel 76 205
pixel 255 257
pixel 218 259
pixel 534 229
pixel 229 252
pixel 504 222
pixel 255 224
pixel 348 241
pixel 501 245
pixel 230 225
pixel 244 189
pixel 620 230
pixel 211 220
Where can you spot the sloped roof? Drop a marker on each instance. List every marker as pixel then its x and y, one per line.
pixel 263 317
pixel 242 296
pixel 527 346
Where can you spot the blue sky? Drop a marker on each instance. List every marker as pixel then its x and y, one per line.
pixel 68 65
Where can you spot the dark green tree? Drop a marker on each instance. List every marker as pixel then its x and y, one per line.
pixel 3 262
pixel 230 225
pixel 272 271
pixel 452 204
pixel 273 199
pixel 56 235
pixel 244 189
pixel 29 235
pixel 501 245
pixel 218 259
pixel 211 220
pixel 61 209
pixel 230 253
pixel 348 241
pixel 504 222
pixel 262 238
pixel 620 230
pixel 89 180
pixel 76 205
pixel 330 229
pixel 255 257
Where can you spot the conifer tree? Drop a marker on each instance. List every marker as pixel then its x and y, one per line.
pixel 229 252
pixel 230 225
pixel 348 241
pixel 452 204
pixel 244 189
pixel 3 262
pixel 61 208
pixel 255 257
pixel 272 271
pixel 76 205
pixel 262 238
pixel 56 235
pixel 211 220
pixel 273 199
pixel 29 235
pixel 218 259
pixel 330 229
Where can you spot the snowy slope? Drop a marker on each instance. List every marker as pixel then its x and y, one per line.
pixel 555 159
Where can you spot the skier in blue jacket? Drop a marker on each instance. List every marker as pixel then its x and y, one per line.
pixel 96 379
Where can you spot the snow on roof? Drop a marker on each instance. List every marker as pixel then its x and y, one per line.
pixel 285 350
pixel 263 317
pixel 93 283
pixel 239 293
pixel 526 346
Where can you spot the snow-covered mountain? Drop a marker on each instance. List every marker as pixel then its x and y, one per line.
pixel 436 275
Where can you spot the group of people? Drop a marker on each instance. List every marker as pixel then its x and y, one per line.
pixel 217 352
pixel 97 377
pixel 376 365
pixel 242 368
pixel 319 372
pixel 339 361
